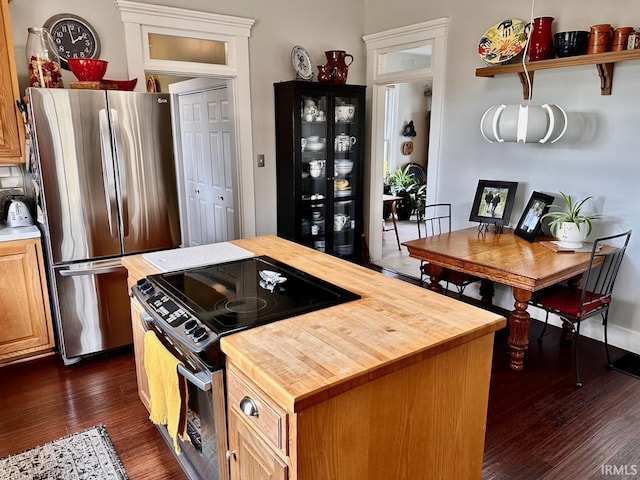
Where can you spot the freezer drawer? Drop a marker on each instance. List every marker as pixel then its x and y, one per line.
pixel 93 304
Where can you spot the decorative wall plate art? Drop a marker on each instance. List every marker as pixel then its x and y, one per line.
pixel 407 148
pixel 503 41
pixel 302 63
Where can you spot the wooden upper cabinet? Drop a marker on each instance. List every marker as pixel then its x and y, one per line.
pixel 11 124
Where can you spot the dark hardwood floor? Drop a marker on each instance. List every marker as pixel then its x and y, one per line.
pixel 43 400
pixel 539 425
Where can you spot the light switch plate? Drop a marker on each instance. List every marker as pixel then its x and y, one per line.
pixel 261 160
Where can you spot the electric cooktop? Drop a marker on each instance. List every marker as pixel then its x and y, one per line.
pixel 199 305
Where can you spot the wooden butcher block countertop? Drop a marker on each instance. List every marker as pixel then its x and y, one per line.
pixel 309 358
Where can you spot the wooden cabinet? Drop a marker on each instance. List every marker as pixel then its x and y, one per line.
pixel 423 421
pixel 11 123
pixel 138 349
pixel 250 457
pixel 25 316
pixel 320 165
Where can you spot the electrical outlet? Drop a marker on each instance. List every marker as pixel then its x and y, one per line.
pixel 261 160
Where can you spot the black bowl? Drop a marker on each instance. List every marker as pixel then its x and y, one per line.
pixel 569 44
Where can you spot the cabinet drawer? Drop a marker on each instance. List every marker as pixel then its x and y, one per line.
pixel 248 402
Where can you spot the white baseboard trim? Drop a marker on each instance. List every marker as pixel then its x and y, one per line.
pixel 618 336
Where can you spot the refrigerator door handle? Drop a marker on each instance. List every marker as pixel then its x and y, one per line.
pixel 117 136
pixel 90 271
pixel 108 175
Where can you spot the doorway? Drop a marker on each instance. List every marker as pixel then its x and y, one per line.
pixel 406 102
pixel 415 53
pixel 204 132
pixel 228 38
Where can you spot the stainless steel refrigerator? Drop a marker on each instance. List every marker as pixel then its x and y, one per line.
pixel 105 186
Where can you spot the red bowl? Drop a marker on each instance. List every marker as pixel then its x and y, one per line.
pixel 88 69
pixel 122 84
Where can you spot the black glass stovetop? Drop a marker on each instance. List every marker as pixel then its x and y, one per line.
pixel 233 296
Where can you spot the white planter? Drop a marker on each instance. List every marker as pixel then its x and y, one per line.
pixel 571 235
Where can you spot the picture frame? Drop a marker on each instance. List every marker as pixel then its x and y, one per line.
pixel 530 223
pixel 486 209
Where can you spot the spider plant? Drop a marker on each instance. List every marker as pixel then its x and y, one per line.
pixel 571 214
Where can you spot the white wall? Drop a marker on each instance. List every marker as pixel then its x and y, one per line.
pixel 604 164
pixel 280 24
pixel 412 106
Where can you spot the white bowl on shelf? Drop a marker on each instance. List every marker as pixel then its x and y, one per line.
pixel 344 167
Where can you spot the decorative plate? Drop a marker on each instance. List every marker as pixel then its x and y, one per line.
pixel 503 41
pixel 302 63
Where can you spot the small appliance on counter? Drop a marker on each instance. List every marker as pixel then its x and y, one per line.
pixel 16 213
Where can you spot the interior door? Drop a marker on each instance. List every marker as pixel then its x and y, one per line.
pixel 208 153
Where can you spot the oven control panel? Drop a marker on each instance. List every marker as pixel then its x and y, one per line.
pixel 173 319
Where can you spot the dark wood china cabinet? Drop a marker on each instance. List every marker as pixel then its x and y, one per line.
pixel 320 165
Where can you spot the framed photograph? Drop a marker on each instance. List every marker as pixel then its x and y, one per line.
pixel 529 224
pixel 493 202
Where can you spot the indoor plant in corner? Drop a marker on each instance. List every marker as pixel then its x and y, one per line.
pixel 570 226
pixel 402 185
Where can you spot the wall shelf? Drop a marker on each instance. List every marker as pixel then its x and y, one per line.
pixel 604 63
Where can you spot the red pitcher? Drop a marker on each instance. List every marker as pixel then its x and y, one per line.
pixel 541 42
pixel 336 63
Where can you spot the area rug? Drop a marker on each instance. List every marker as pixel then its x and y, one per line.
pixel 629 363
pixel 85 455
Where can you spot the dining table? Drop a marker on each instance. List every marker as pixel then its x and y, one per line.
pixel 505 258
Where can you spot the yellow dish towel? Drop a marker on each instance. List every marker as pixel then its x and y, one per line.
pixel 167 388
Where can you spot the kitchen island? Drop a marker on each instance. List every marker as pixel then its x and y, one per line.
pixel 393 385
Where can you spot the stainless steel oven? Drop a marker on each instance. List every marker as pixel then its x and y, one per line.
pixel 190 310
pixel 204 455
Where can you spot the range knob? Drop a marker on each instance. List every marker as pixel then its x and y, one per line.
pixel 200 334
pixel 190 326
pixel 146 288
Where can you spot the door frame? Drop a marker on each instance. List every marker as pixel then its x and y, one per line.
pixel 196 85
pixel 140 19
pixel 434 33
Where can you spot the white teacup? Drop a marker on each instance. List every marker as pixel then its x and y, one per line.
pixel 339 221
pixel 316 214
pixel 315 172
pixel 344 113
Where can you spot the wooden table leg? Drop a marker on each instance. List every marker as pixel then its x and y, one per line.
pixel 487 290
pixel 519 328
pixel 435 275
pixel 395 225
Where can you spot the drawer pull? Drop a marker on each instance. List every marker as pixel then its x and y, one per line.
pixel 249 407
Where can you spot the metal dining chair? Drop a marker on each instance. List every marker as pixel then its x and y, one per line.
pixel 593 295
pixel 437 220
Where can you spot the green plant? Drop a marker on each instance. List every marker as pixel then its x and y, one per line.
pixel 401 181
pixel 403 184
pixel 571 214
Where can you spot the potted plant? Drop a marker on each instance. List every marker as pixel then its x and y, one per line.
pixel 570 225
pixel 402 184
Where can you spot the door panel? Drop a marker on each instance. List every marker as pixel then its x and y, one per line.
pixel 208 149
pixel 67 129
pixel 94 307
pixel 145 170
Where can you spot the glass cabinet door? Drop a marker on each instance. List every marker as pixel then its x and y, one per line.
pixel 346 172
pixel 315 180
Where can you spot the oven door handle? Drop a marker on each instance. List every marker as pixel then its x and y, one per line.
pixel 200 379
